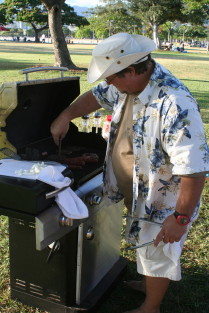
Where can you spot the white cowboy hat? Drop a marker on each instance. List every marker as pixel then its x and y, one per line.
pixel 116 53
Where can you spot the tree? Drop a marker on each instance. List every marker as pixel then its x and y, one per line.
pixel 167 30
pixel 43 14
pixel 83 32
pixel 189 32
pixel 55 9
pixel 112 18
pixel 196 11
pixel 2 15
pixel 156 12
pixel 32 12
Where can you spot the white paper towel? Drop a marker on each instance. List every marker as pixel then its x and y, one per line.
pixel 70 204
pixel 23 169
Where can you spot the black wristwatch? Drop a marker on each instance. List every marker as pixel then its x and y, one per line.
pixel 181 218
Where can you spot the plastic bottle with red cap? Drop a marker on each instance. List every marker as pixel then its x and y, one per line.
pixel 106 127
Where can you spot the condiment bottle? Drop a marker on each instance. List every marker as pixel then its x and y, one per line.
pixel 106 127
pixel 85 124
pixel 97 120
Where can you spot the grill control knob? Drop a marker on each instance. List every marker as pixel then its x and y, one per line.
pixel 65 221
pixel 90 233
pixel 94 199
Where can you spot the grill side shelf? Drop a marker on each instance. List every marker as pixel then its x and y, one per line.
pixel 48 223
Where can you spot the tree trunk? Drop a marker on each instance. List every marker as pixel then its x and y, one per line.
pixel 155 35
pixel 169 35
pixel 62 55
pixel 36 35
pixel 38 30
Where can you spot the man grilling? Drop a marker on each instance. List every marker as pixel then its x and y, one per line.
pixel 157 154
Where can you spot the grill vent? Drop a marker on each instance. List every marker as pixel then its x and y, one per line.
pixel 53 296
pixel 22 222
pixel 31 225
pixel 35 289
pixel 19 284
pixel 18 221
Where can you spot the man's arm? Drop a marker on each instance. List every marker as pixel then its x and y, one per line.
pixel 190 193
pixel 83 105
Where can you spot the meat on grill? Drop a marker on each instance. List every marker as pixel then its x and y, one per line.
pixel 76 162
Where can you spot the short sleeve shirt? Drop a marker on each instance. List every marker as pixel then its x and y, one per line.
pixel 168 141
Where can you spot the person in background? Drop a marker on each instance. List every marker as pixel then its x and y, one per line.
pixel 157 154
pixel 181 47
pixel 43 38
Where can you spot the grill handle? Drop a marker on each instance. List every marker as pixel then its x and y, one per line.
pixel 26 71
pixel 55 192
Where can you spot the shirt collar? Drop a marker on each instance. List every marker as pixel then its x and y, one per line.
pixel 144 96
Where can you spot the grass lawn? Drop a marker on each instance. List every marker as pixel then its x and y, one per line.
pixel 190 295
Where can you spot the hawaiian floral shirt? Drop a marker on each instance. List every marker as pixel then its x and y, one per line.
pixel 168 141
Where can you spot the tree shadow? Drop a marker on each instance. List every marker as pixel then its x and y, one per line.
pixel 30 49
pixel 190 295
pixel 201 98
pixel 25 49
pixel 7 65
pixel 180 56
pixel 121 297
pixel 186 296
pixel 195 80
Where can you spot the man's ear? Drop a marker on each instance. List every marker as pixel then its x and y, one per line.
pixel 131 70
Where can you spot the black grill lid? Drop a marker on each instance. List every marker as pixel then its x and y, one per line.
pixel 39 103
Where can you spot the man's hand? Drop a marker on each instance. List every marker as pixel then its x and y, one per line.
pixel 190 191
pixel 59 128
pixel 171 231
pixel 84 104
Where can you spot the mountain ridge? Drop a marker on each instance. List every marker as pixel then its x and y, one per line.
pixel 80 10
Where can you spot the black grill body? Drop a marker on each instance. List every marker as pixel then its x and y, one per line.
pixel 58 269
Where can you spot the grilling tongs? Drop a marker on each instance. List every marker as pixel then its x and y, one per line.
pixel 60 149
pixel 145 220
pixel 56 191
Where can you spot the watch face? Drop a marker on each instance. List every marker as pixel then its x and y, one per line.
pixel 183 220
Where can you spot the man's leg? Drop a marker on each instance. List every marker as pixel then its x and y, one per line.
pixel 138 285
pixel 156 288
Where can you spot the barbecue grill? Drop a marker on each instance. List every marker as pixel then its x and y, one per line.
pixel 56 263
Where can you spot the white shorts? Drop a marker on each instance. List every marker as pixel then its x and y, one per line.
pixel 152 261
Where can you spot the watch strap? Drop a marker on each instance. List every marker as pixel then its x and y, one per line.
pixel 182 219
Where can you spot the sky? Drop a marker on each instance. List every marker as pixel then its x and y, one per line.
pixel 83 3
pixel 80 3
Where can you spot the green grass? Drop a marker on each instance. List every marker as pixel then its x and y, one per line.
pixel 190 295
